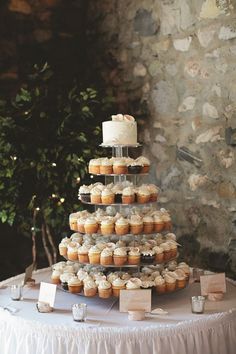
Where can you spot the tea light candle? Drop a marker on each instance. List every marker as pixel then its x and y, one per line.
pixel 79 312
pixel 198 304
pixel 15 292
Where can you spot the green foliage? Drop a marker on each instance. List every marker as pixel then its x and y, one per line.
pixel 48 133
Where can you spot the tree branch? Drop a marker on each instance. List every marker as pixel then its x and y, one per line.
pixel 50 239
pixel 44 239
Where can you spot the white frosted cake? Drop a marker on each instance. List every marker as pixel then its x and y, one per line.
pixel 121 130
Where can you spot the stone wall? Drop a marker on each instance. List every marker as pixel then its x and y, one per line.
pixel 172 64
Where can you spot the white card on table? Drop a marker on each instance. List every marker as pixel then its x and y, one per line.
pixel 47 293
pixel 135 300
pixel 212 283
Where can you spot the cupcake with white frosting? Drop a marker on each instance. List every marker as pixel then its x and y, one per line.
pixel 117 285
pixel 104 289
pixel 122 226
pixel 90 288
pixel 134 256
pixel 106 256
pixel 128 195
pixel 120 256
pixel 106 167
pixel 75 285
pixel 108 196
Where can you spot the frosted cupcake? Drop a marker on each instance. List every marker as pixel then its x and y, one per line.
pixel 185 267
pixel 104 289
pixel 134 256
pixel 64 278
pixel 106 166
pixel 95 195
pixel 75 285
pixel 83 253
pixel 136 224
pixel 170 282
pixel 143 195
pixel 120 256
pixel 180 279
pixel 128 195
pixel 122 226
pixel 144 162
pixel 63 248
pixel 108 196
pixel 91 226
pixel 107 226
pixel 167 250
pixel 133 283
pixel 117 285
pixel 154 191
pixel 167 219
pixel 73 221
pixel 84 193
pixel 80 224
pixel 90 288
pixel 173 249
pixel 94 166
pixel 120 167
pixel 158 222
pixel 160 284
pixel 72 251
pixel 159 254
pixel 106 256
pixel 55 277
pixel 134 167
pixel 147 256
pixel 94 255
pixel 148 224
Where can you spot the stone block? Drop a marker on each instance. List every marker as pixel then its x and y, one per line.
pixel 187 104
pixel 183 44
pixel 209 110
pixel 165 98
pixel 144 24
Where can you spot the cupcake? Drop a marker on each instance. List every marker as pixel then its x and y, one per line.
pixel 180 279
pixel 106 166
pixel 144 162
pixel 148 224
pixel 120 256
pixel 159 254
pixel 147 284
pixel 108 196
pixel 75 237
pixel 143 195
pixel 117 285
pixel 128 195
pixel 136 224
pixel 107 226
pixel 63 248
pixel 91 226
pixel 84 193
pixel 95 195
pixel 170 282
pixel 64 278
pixel 167 219
pixel 122 226
pixel 167 250
pixel 106 256
pixel 55 277
pixel 94 166
pixel 185 267
pixel 117 190
pixel 154 191
pixel 73 221
pixel 94 255
pixel 72 251
pixel 80 224
pixel 133 283
pixel 83 253
pixel 158 222
pixel 75 285
pixel 134 256
pixel 160 284
pixel 173 249
pixel 90 288
pixel 134 167
pixel 120 167
pixel 104 289
pixel 147 256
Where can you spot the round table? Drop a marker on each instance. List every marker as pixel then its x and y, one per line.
pixel 107 331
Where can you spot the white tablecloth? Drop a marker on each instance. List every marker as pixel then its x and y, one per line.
pixel 108 331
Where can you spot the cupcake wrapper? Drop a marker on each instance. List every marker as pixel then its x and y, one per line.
pixel 83 258
pixel 106 260
pixel 170 287
pixel 128 199
pixel 136 229
pixel 75 289
pixel 148 228
pixel 161 289
pixel 158 226
pixel 108 199
pixel 159 258
pixel 116 291
pixel 94 259
pixel 96 199
pixel 90 292
pixel 106 170
pixel 91 229
pixel 73 226
pixel 94 169
pixel 122 230
pixel 104 293
pixel 143 199
pixel 180 284
pixel 72 256
pixel 133 260
pixel 81 228
pixel 120 170
pixel 119 260
pixel 145 169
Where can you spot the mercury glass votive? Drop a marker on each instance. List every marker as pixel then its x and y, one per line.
pixel 198 304
pixel 16 292
pixel 79 312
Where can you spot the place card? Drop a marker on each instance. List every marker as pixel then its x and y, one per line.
pixel 135 300
pixel 47 293
pixel 28 272
pixel 213 283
